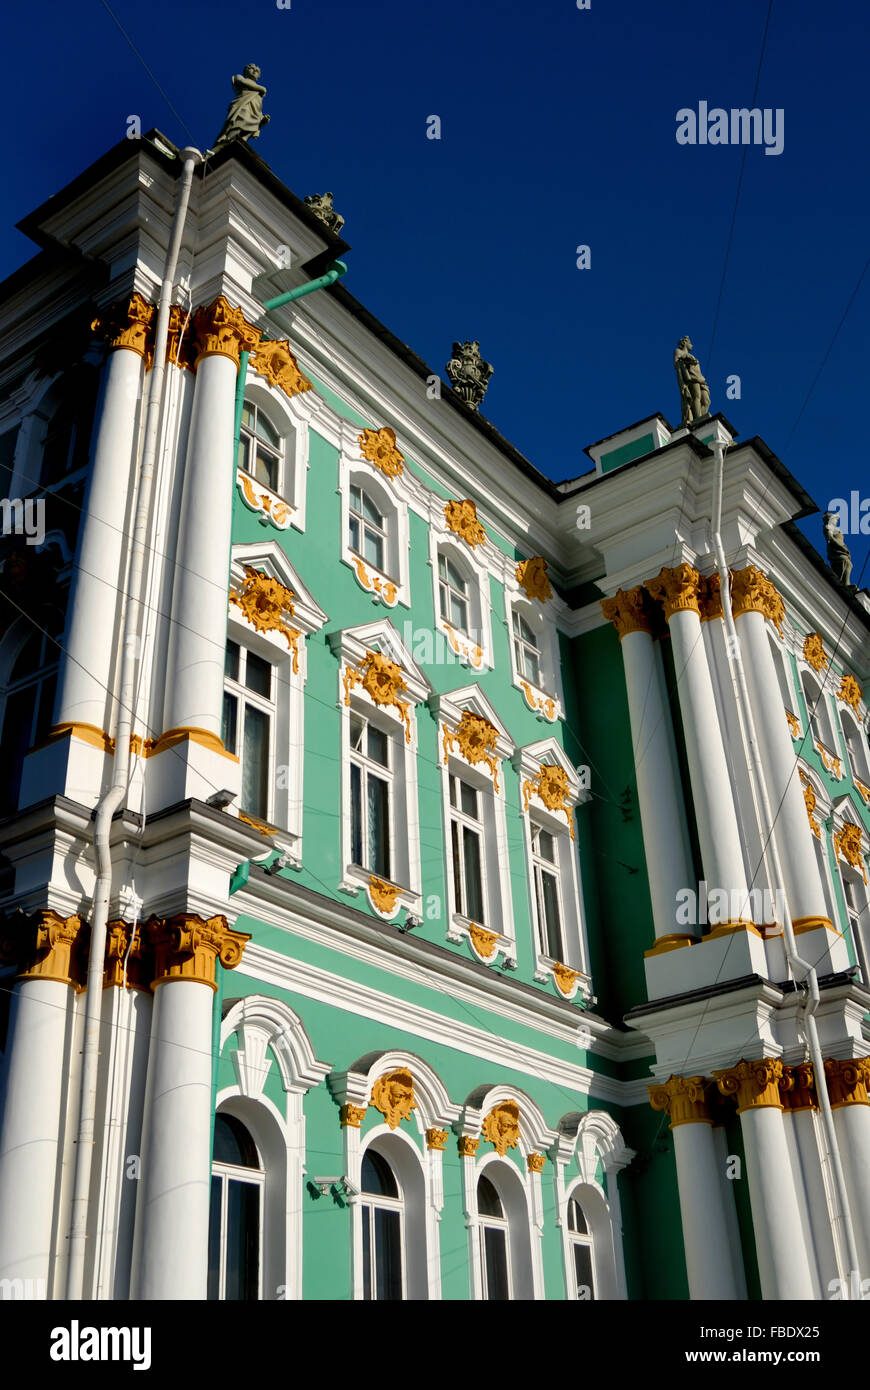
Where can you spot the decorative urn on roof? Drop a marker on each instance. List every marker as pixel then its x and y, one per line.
pixel 469 374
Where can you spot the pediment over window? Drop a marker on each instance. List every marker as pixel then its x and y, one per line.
pixel 268 558
pixel 451 707
pixel 351 644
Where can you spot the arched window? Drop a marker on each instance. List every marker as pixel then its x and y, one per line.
pixel 27 706
pixel 248 728
pixel 236 1213
pixel 580 1249
pixel 368 530
pixel 261 449
pixel 453 594
pixel 526 651
pixel 494 1241
pixel 68 431
pixel 382 1236
pixel 856 745
pixel 855 895
pixel 548 897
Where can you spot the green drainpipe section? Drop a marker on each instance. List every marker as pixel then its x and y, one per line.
pixel 334 273
pixel 215 1049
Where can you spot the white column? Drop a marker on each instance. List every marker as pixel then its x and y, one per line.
pixel 41 1025
pixel 848 1084
pixel 194 687
pixel 98 579
pixel 783 1259
pixel 721 850
pixel 170 1257
pixel 660 794
pixel 706 1241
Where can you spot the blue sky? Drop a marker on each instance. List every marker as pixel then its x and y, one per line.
pixel 558 129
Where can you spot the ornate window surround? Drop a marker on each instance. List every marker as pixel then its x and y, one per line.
pixel 308 617
pixel 584 1141
pixel 269 1032
pixel 476 653
pixel 292 418
pixel 527 762
pixel 393 496
pixel 547 699
pixel 350 647
pixel 433 1111
pixel 448 710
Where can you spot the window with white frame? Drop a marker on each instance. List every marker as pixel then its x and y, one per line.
pixel 855 895
pixel 495 1260
pixel 235 1213
pixel 249 725
pixel 382 1209
pixel 67 437
pixel 263 450
pixel 856 746
pixel 780 661
pixel 526 651
pixel 467 849
pixel 371 780
pixel 817 711
pixel 26 707
pixel 550 919
pixel 454 599
pixel 368 533
pixel 582 1264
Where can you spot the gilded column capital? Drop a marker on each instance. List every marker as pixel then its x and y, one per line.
pixel 219 330
pixel 46 946
pixel 753 592
pixel 710 597
pixel 755 1085
pixel 129 957
pixel 436 1139
pixel 352 1116
pixel 798 1087
pixel 126 324
pixel 848 1081
pixel 676 589
pixel 629 611
pixel 535 1162
pixel 187 947
pixel 683 1099
pixel 467 1146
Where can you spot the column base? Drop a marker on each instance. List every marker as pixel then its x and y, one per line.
pixel 732 950
pixel 186 763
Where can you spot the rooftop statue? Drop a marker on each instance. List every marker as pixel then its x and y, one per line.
pixel 321 205
pixel 839 555
pixel 245 118
pixel 694 395
pixel 469 374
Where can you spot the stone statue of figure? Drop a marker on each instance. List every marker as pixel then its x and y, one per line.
pixel 468 373
pixel 839 555
pixel 245 117
pixel 694 395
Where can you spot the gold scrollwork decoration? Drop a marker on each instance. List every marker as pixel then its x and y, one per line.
pixel 383 895
pixel 393 1095
pixel 274 361
pixel 476 738
pixel 385 589
pixel 263 602
pixel 379 447
pixel 384 681
pixel 461 518
pixel 814 651
pixel 483 941
pixel 502 1126
pixel 551 787
pixel 565 977
pixel 532 577
pixel 848 844
pixel 850 692
pixel 810 802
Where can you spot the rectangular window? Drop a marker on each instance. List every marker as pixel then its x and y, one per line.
pixel 370 791
pixel 248 725
pixel 545 866
pixel 466 833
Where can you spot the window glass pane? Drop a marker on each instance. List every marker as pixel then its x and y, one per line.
pixel 258 675
pixel 452 782
pixel 231 661
pixel 455 578
pixel 367 1215
pixel 370 511
pixel 444 601
pixel 356 823
pixel 243 1240
pixel 583 1271
pixel 28 659
pixel 529 665
pixel 495 1254
pixel 248 415
pixel 354 533
pixel 356 499
pixel 214 1238
pixel 576 1219
pixel 457 868
pixel 373 549
pixel 228 727
pixel 469 799
pixel 379 746
pixel 357 730
pixel 488 1200
pixel 442 567
pixel 255 763
pixel 459 613
pixel 47 691
pixel 552 916
pixel 388 1253
pixel 233 1144
pixel 266 468
pixel 17 726
pixel 377 1175
pixel 473 881
pixel 267 431
pixel 379 826
pixel 546 846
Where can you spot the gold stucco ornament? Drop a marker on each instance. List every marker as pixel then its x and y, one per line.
pixel 383 895
pixel 535 1162
pixel 810 802
pixel 502 1126
pixel 264 602
pixel 461 518
pixel 532 577
pixel 565 977
pixel 755 1085
pixel 126 324
pixel 848 844
pixel 467 1146
pixel 793 723
pixel 379 447
pixel 483 941
pixel 753 592
pixel 683 1099
pixel 436 1138
pixel 850 692
pixel 352 1116
pixel 383 680
pixel 275 362
pixel 629 611
pixel 676 589
pixel 476 739
pixel 393 1095
pixel 219 330
pixel 814 651
pixel 551 787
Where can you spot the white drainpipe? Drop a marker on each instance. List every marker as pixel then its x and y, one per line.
pixel 114 798
pixel 802 969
